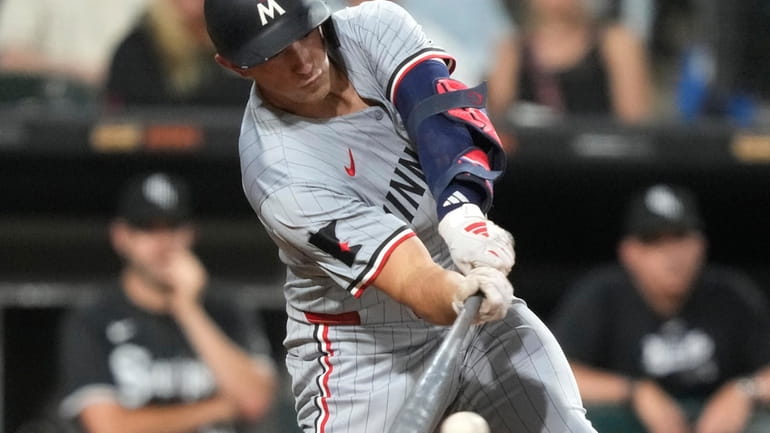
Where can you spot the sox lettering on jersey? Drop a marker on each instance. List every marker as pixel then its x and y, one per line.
pixel 141 377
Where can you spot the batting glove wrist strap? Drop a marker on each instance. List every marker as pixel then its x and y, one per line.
pixel 475 241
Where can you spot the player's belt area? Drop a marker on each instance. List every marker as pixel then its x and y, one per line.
pixel 349 318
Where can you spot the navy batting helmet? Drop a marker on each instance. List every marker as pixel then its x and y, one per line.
pixel 249 32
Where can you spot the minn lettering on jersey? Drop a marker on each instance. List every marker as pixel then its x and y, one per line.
pixel 406 187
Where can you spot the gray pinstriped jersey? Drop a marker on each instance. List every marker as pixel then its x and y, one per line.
pixel 337 195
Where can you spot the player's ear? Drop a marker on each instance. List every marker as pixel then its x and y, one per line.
pixel 223 62
pixel 189 234
pixel 702 243
pixel 627 250
pixel 119 233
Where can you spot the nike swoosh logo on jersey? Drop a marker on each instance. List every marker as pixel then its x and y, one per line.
pixel 351 170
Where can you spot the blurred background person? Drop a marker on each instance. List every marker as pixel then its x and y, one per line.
pixel 565 59
pixel 168 61
pixel 57 46
pixel 683 344
pixel 468 32
pixel 724 71
pixel 158 353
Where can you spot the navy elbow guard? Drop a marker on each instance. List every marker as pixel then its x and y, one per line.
pixel 456 141
pixel 460 104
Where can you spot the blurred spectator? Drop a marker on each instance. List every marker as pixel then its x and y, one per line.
pixel 168 60
pixel 663 342
pixel 70 41
pixel 157 353
pixel 467 33
pixel 565 60
pixel 637 15
pixel 724 68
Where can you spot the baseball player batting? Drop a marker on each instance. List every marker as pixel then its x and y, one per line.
pixel 372 170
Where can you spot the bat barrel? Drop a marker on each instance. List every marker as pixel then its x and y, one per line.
pixel 422 410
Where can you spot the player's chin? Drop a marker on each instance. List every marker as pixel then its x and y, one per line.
pixel 314 93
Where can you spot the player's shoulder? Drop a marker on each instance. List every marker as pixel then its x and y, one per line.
pixel 370 12
pixel 727 282
pixel 605 278
pixel 273 163
pixel 109 302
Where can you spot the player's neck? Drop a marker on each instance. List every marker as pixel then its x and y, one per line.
pixel 143 293
pixel 341 99
pixel 664 303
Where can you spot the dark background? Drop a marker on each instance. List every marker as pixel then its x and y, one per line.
pixel 562 197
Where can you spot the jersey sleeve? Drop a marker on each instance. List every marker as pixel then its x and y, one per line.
pixel 386 42
pixel 84 368
pixel 316 227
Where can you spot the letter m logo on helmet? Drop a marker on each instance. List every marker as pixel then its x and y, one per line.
pixel 269 10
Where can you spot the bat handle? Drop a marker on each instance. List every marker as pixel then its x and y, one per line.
pixel 422 410
pixel 466 316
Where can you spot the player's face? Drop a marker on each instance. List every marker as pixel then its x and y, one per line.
pixel 667 266
pixel 150 250
pixel 296 78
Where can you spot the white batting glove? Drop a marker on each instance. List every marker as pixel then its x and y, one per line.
pixel 475 241
pixel 494 285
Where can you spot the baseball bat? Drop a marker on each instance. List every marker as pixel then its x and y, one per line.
pixel 422 410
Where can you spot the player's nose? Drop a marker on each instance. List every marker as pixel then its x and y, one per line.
pixel 300 57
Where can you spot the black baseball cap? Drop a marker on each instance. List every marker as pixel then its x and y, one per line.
pixel 155 199
pixel 660 210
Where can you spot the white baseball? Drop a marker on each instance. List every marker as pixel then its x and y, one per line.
pixel 464 422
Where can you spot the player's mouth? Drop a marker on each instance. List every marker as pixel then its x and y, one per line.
pixel 312 80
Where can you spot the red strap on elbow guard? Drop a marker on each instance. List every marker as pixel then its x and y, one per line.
pixel 476 157
pixel 469 115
